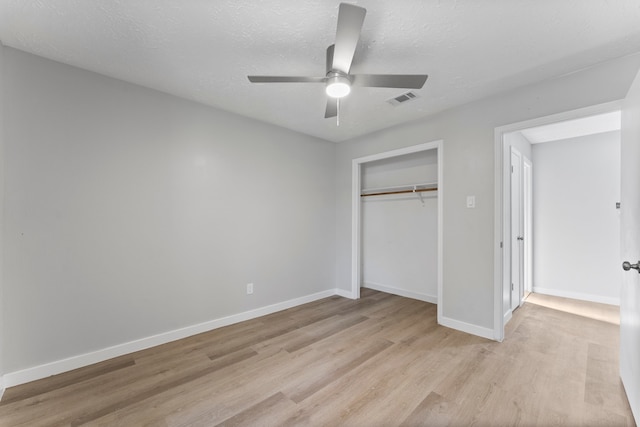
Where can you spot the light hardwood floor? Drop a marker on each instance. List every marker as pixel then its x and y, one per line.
pixel 378 361
pixel 604 312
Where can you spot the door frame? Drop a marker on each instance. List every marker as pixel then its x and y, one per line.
pixel 502 222
pixel 527 232
pixel 520 205
pixel 356 230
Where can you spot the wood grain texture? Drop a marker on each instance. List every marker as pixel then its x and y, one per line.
pixel 378 361
pixel 605 312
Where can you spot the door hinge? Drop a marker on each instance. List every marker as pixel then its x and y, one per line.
pixel 511 169
pixel 512 286
pixel 500 245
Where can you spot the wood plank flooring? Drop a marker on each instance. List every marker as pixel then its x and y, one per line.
pixel 378 361
pixel 605 312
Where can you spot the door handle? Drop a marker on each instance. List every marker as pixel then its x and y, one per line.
pixel 626 266
pixel 520 238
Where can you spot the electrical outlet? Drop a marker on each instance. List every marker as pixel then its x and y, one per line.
pixel 249 288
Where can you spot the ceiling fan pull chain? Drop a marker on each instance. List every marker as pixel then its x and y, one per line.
pixel 338 112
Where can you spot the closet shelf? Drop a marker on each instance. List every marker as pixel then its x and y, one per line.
pixel 404 189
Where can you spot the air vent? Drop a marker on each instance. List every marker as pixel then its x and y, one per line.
pixel 402 98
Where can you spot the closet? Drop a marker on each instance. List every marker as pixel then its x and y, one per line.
pixel 399 225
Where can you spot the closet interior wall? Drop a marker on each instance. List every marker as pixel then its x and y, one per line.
pixel 400 231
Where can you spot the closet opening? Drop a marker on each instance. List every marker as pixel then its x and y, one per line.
pixel 397 223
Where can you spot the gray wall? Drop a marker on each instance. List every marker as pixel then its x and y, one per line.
pixel 576 227
pixel 129 212
pixel 468 134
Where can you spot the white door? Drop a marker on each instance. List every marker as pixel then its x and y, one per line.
pixel 516 228
pixel 630 248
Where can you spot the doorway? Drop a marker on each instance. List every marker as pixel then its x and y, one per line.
pixel 507 300
pixel 419 190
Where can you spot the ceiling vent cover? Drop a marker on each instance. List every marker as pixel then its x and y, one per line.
pixel 408 96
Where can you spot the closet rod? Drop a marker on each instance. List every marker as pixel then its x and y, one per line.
pixel 383 193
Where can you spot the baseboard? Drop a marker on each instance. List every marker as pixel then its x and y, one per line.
pixel 507 316
pixel 401 292
pixel 59 366
pixel 345 294
pixel 468 328
pixel 2 387
pixel 577 295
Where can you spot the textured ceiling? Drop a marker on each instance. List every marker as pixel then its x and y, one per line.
pixel 204 49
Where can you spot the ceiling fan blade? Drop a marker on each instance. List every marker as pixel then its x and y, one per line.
pixel 329 61
pixel 411 81
pixel 332 108
pixel 350 19
pixel 286 79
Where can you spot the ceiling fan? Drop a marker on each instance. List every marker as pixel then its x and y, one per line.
pixel 337 79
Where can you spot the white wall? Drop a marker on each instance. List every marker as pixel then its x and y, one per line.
pixel 576 243
pixel 399 232
pixel 129 212
pixel 468 152
pixel 414 168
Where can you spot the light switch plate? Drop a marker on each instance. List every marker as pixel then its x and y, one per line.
pixel 471 202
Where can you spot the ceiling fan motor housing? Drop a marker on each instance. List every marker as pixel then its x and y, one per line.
pixel 338 84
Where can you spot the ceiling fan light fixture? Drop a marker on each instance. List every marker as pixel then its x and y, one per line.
pixel 338 86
